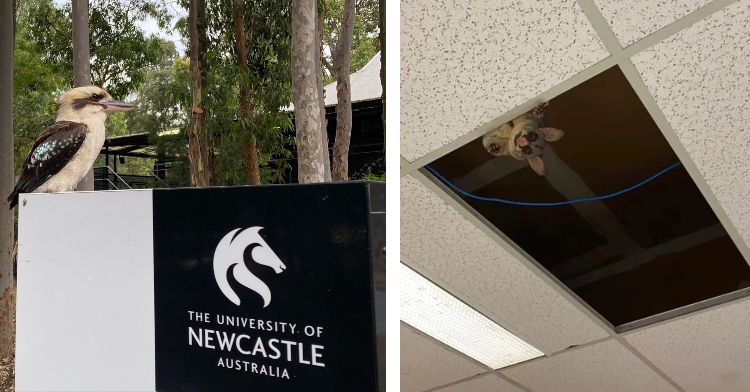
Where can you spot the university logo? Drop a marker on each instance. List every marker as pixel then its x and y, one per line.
pixel 230 255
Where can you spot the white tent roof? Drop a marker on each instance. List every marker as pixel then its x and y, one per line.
pixel 365 85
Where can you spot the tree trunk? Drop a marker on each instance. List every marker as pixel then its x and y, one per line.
pixel 82 64
pixel 305 52
pixel 322 98
pixel 6 178
pixel 200 166
pixel 381 23
pixel 251 160
pixel 341 61
pixel 15 19
pixel 248 139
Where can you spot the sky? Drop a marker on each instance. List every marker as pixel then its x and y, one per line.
pixel 150 28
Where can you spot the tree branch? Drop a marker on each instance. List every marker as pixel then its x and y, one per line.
pixel 329 67
pixel 331 47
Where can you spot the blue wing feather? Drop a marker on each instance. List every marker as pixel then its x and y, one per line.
pixel 49 154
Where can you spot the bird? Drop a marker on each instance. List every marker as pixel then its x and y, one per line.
pixel 63 154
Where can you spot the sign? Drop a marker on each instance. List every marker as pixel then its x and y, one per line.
pixel 266 288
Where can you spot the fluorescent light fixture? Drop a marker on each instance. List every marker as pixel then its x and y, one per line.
pixel 435 312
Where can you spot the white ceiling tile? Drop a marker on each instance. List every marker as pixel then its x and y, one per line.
pixel 606 366
pixel 439 239
pixel 489 382
pixel 426 364
pixel 632 20
pixel 700 80
pixel 706 352
pixel 467 62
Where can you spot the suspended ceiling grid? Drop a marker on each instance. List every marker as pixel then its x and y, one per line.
pixel 468 66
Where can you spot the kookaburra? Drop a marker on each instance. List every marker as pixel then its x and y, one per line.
pixel 66 151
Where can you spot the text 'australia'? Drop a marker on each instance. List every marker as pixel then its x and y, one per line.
pixel 252 367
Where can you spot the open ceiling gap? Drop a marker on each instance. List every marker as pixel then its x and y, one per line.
pixel 600 249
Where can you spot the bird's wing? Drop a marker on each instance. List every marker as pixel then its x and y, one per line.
pixel 51 151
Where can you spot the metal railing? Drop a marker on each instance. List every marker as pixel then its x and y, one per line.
pixel 106 179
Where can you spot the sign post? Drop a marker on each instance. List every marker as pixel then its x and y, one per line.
pixel 267 288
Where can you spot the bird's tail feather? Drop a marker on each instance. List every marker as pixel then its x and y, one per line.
pixel 13 200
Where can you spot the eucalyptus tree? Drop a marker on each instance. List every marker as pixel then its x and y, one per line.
pixel 321 92
pixel 381 41
pixel 200 141
pixel 349 34
pixel 308 120
pixel 6 178
pixel 365 37
pixel 253 63
pixel 341 62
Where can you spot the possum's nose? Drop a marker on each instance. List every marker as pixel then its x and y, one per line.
pixel 494 148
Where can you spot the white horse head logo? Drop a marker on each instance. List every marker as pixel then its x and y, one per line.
pixel 230 252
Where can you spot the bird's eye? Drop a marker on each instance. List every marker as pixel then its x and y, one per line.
pixel 95 97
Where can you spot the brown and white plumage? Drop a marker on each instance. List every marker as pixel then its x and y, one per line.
pixel 63 154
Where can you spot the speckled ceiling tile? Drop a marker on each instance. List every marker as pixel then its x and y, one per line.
pixel 466 62
pixel 438 238
pixel 606 366
pixel 486 383
pixel 632 20
pixel 706 352
pixel 700 79
pixel 427 364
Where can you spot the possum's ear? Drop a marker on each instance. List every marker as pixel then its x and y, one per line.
pixel 537 164
pixel 552 134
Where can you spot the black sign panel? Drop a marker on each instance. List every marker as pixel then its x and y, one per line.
pixel 265 288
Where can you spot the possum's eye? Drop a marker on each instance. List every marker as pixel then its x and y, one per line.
pixel 494 148
pixel 532 136
pixel 527 150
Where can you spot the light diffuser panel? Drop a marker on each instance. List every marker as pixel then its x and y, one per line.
pixel 437 313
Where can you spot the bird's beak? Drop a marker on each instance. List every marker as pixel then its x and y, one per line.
pixel 117 106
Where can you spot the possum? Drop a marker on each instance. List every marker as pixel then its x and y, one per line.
pixel 523 138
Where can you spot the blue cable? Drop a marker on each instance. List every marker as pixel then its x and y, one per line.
pixel 548 204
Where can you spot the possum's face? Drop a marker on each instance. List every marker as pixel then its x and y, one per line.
pixel 525 144
pixel 528 144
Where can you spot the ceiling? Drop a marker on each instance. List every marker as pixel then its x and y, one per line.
pixel 468 66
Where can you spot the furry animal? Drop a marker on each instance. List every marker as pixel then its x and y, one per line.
pixel 63 154
pixel 523 138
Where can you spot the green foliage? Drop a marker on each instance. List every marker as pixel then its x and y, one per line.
pixel 367 172
pixel 163 102
pixel 120 51
pixel 374 177
pixel 117 126
pixel 36 89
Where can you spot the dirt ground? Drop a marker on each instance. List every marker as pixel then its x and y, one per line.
pixel 8 365
pixel 7 374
